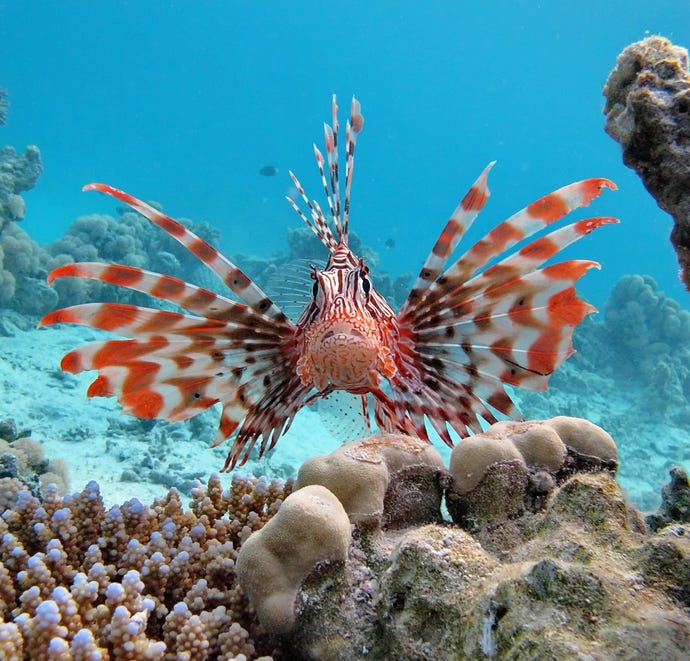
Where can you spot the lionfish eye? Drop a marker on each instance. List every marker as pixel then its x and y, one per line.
pixel 366 284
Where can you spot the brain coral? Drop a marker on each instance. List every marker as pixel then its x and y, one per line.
pixel 132 582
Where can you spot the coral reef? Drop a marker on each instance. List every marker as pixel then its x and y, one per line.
pixel 18 173
pixel 23 267
pixel 648 112
pixel 133 582
pixel 272 563
pixel 261 568
pixel 23 466
pixel 382 480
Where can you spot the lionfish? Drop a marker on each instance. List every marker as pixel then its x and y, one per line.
pixel 495 316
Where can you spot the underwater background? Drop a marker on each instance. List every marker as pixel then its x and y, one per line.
pixel 205 106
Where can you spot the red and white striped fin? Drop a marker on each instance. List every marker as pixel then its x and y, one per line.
pixel 518 264
pixel 230 274
pixel 474 328
pixel 132 320
pixel 460 221
pixel 195 299
pixel 179 365
pixel 523 224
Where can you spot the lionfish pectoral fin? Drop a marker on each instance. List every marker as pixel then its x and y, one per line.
pixel 496 316
pixel 176 364
pixel 240 284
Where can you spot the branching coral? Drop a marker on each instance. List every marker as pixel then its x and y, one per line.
pixel 132 582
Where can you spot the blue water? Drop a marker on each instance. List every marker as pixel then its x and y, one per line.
pixel 184 102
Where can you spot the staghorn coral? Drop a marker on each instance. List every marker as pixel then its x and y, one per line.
pixel 648 112
pixel 132 582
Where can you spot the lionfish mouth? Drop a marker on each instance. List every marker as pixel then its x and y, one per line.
pixel 353 333
pixel 343 356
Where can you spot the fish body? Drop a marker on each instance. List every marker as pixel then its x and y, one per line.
pixel 495 316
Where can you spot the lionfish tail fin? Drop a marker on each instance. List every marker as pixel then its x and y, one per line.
pixel 330 180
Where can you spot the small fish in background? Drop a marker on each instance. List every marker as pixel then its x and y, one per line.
pixel 268 171
pixel 389 243
pixel 497 315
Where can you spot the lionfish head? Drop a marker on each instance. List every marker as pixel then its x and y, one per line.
pixel 345 330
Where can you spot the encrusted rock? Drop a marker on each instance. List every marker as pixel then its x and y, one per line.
pixel 675 505
pixel 573 589
pixel 648 112
pixel 666 561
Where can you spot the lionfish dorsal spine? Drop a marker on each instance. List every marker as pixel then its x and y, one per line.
pixel 330 181
pixel 317 223
pixel 232 276
pixel 353 127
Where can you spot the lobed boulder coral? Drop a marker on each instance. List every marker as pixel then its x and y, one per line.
pixel 382 480
pixel 272 563
pixel 580 582
pixel 132 582
pixel 648 112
